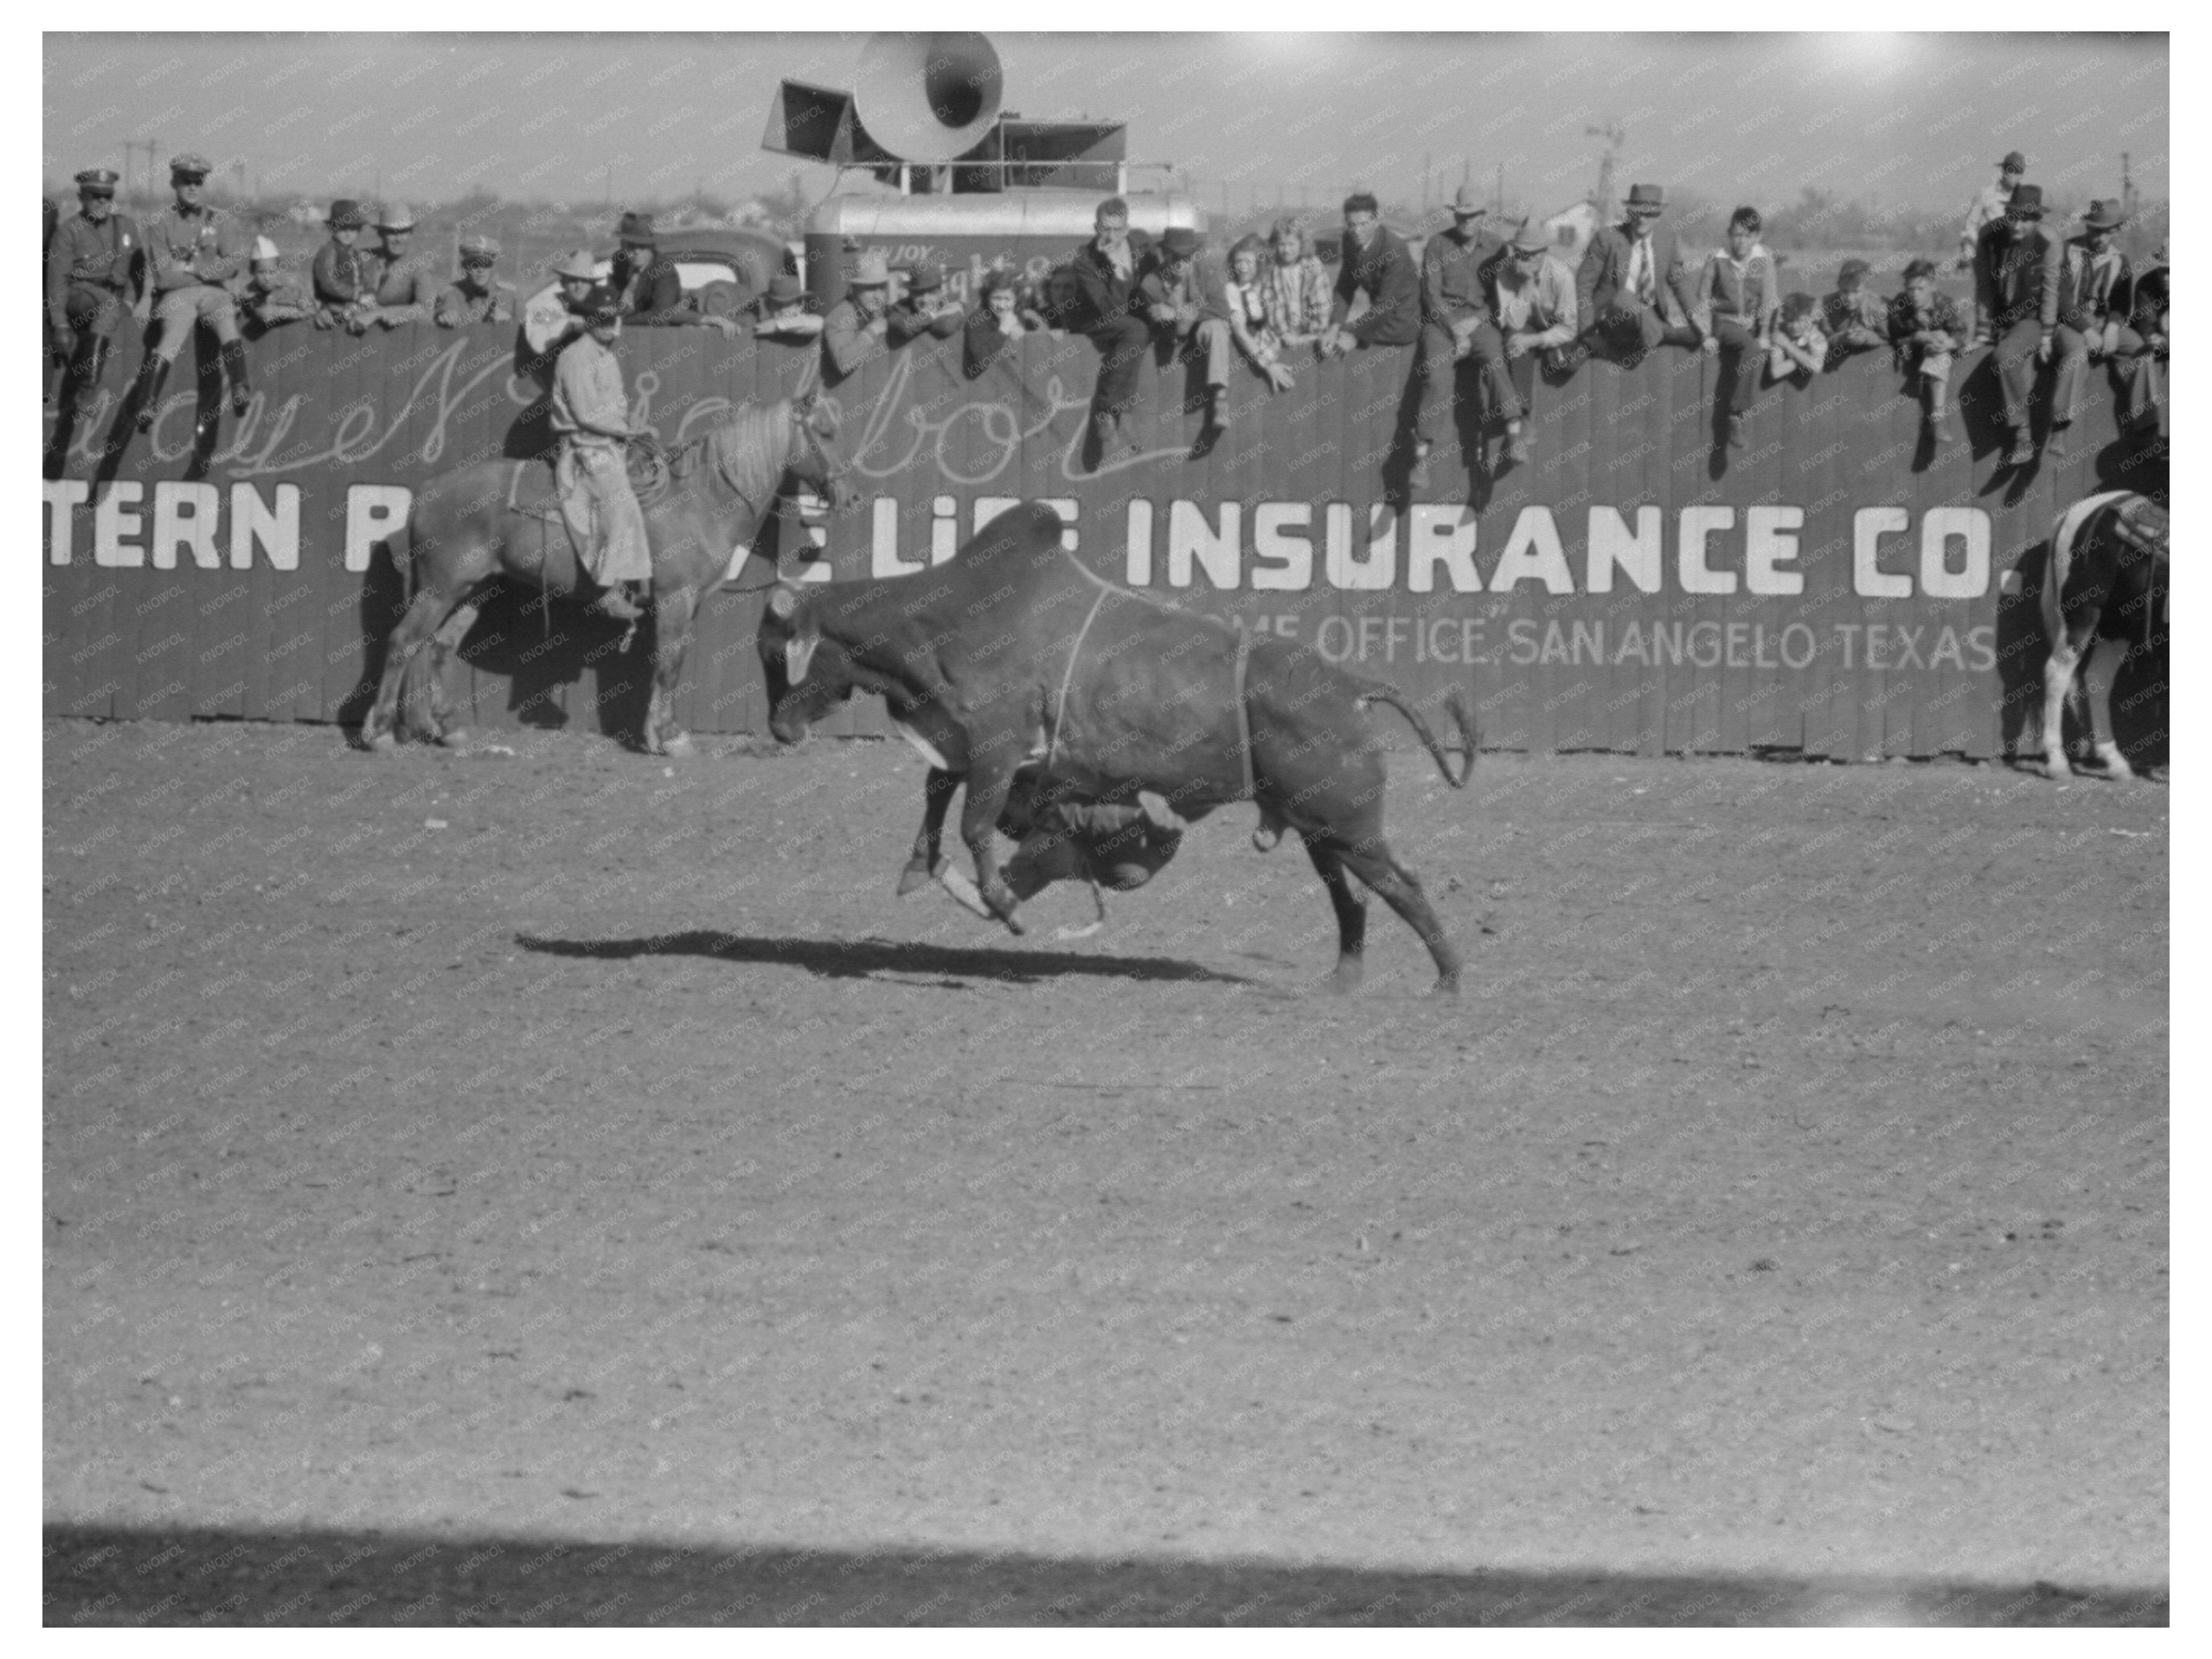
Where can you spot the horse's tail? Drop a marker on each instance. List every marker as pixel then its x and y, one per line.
pixel 1462 717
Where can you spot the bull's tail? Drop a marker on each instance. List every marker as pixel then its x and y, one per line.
pixel 1462 717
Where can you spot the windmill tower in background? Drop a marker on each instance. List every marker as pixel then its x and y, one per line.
pixel 1614 138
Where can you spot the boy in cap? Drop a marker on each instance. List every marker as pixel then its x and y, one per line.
pixel 1989 205
pixel 1376 263
pixel 269 295
pixel 1854 317
pixel 403 286
pixel 94 273
pixel 1929 329
pixel 2017 289
pixel 1456 326
pixel 857 326
pixel 2094 275
pixel 925 308
pixel 784 312
pixel 475 298
pixel 1618 283
pixel 1182 296
pixel 340 273
pixel 194 251
pixel 1532 296
pixel 590 420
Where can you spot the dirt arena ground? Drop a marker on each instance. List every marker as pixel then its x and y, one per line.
pixel 543 1184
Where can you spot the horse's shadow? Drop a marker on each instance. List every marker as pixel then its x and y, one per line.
pixel 866 958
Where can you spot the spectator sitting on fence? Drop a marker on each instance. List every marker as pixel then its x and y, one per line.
pixel 192 252
pixel 649 286
pixel 2094 274
pixel 554 317
pixel 1989 205
pixel 1800 346
pixel 340 272
pixel 1456 326
pixel 1053 305
pixel 1183 295
pixel 854 331
pixel 1106 283
pixel 2143 375
pixel 2017 289
pixel 405 287
pixel 1533 296
pixel 268 295
pixel 786 312
pixel 1297 287
pixel 1928 327
pixel 926 307
pixel 993 325
pixel 1376 263
pixel 1247 295
pixel 1622 271
pixel 1854 318
pixel 1737 297
pixel 476 297
pixel 95 274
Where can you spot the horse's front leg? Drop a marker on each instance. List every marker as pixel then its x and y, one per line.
pixel 673 614
pixel 936 797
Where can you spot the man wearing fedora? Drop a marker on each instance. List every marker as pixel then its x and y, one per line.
pixel 554 316
pixel 2093 278
pixel 591 423
pixel 1378 264
pixel 1989 205
pixel 858 328
pixel 95 273
pixel 924 309
pixel 784 313
pixel 1456 327
pixel 476 297
pixel 403 286
pixel 1105 270
pixel 2016 289
pixel 340 273
pixel 195 251
pixel 650 288
pixel 1532 296
pixel 1622 271
pixel 1184 294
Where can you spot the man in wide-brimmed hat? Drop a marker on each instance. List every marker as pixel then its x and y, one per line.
pixel 403 282
pixel 195 251
pixel 1989 205
pixel 591 419
pixel 477 297
pixel 926 307
pixel 1624 271
pixel 2016 290
pixel 2093 278
pixel 1456 328
pixel 95 271
pixel 784 311
pixel 552 319
pixel 857 328
pixel 1532 297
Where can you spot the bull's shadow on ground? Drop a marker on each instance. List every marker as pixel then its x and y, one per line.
pixel 866 958
pixel 213 1575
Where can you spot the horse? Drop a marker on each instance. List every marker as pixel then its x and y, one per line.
pixel 2108 558
pixel 464 533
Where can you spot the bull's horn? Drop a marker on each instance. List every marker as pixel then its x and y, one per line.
pixel 955 883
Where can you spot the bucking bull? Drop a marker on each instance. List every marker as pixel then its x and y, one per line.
pixel 2100 592
pixel 1094 721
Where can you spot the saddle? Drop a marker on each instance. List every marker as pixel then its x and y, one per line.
pixel 533 490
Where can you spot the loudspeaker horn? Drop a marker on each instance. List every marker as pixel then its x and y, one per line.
pixel 928 98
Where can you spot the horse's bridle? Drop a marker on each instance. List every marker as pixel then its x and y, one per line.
pixel 804 422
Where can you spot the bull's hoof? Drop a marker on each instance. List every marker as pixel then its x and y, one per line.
pixel 914 877
pixel 1446 984
pixel 1014 924
pixel 1344 979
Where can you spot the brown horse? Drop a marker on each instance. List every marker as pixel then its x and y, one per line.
pixel 464 534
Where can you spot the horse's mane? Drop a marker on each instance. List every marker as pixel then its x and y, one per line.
pixel 754 446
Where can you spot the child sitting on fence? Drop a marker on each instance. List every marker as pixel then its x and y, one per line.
pixel 1799 348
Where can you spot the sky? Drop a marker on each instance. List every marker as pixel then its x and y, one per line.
pixel 1904 120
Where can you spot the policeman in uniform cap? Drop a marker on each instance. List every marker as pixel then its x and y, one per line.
pixel 195 251
pixel 94 274
pixel 475 298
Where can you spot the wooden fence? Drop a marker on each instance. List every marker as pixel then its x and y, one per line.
pixel 1833 586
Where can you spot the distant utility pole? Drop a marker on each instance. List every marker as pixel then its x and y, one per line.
pixel 1614 138
pixel 1498 205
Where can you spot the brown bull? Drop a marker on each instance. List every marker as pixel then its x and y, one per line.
pixel 1014 654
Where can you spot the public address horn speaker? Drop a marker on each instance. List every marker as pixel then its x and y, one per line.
pixel 928 98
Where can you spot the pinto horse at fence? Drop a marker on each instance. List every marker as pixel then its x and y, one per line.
pixel 470 528
pixel 2100 599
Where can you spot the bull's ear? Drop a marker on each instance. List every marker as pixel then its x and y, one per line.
pixel 798 653
pixel 783 602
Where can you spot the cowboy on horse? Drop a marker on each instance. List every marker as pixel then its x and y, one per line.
pixel 591 418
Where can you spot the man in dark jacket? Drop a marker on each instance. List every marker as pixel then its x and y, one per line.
pixel 1106 288
pixel 1456 326
pixel 95 270
pixel 651 290
pixel 2093 274
pixel 1376 263
pixel 2016 288
pixel 1184 297
pixel 1617 285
